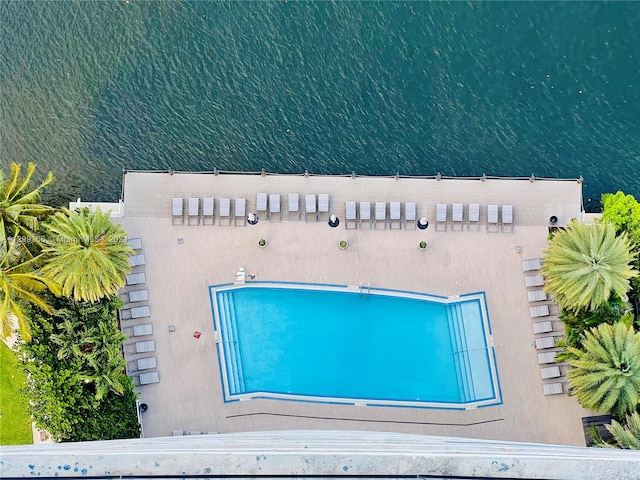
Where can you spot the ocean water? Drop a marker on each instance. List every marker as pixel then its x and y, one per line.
pixel 502 88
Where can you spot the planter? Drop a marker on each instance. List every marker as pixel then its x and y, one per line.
pixel 262 243
pixel 423 245
pixel 343 244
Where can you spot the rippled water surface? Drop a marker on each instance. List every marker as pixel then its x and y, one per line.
pixel 513 88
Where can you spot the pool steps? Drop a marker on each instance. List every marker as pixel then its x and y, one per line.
pixel 231 346
pixel 461 355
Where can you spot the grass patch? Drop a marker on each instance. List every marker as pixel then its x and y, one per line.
pixel 15 422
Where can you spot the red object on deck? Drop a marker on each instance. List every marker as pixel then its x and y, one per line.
pixel 197 334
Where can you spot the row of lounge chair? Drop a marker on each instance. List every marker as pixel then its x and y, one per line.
pixel 494 223
pixel 356 217
pixel 135 311
pixel 545 327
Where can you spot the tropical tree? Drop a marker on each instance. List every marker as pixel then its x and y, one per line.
pixel 20 212
pixel 625 436
pixel 606 372
pixel 20 280
pixel 86 254
pixel 586 264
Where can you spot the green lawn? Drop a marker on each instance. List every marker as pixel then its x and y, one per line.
pixel 15 423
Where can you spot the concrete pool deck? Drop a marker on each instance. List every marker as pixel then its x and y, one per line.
pixel 183 261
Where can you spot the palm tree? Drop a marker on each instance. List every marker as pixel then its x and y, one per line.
pixel 86 254
pixel 20 212
pixel 586 264
pixel 20 280
pixel 606 372
pixel 625 436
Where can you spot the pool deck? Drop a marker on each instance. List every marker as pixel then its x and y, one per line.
pixel 182 261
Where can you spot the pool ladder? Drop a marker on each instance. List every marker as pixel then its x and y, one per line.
pixel 365 289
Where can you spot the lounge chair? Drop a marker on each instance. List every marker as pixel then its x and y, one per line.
pixel 323 204
pixel 142 330
pixel 146 346
pixel 240 212
pixel 274 208
pixel 146 363
pixel 507 217
pixel 531 264
pixel 534 281
pixel 457 214
pixel 546 357
pixel 193 212
pixel 545 342
pixel 135 243
pixel 136 278
pixel 380 215
pixel 441 215
pixel 138 296
pixel 542 327
pixel 492 218
pixel 310 207
pixel 224 212
pixel 552 388
pixel 241 275
pixel 177 214
pixel 350 216
pixel 261 203
pixel 394 215
pixel 474 215
pixel 136 260
pixel 148 378
pixel 177 433
pixel 294 206
pixel 539 311
pixel 365 212
pixel 410 214
pixel 207 210
pixel 550 372
pixel 537 295
pixel 140 312
pixel 195 432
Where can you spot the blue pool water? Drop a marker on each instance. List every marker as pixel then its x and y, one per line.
pixel 336 344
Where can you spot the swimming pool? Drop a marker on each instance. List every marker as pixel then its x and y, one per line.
pixel 343 344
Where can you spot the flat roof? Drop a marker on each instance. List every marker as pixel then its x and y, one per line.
pixel 182 261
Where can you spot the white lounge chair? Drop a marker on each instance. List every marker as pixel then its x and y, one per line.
pixel 552 388
pixel 142 330
pixel 531 264
pixel 147 346
pixel 546 357
pixel 193 212
pixel 381 214
pixel 410 214
pixel 148 378
pixel 274 207
pixel 394 215
pixel 550 372
pixel 474 215
pixel 207 210
pixel 240 212
pixel 261 203
pixel 138 296
pixel 534 281
pixel 323 204
pixel 310 207
pixel 457 214
pixel 146 363
pixel 140 312
pixel 441 215
pixel 241 275
pixel 350 216
pixel 542 327
pixel 545 342
pixel 365 212
pixel 537 295
pixel 135 243
pixel 224 212
pixel 177 213
pixel 177 433
pixel 136 279
pixel 507 217
pixel 136 260
pixel 539 311
pixel 294 206
pixel 492 218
